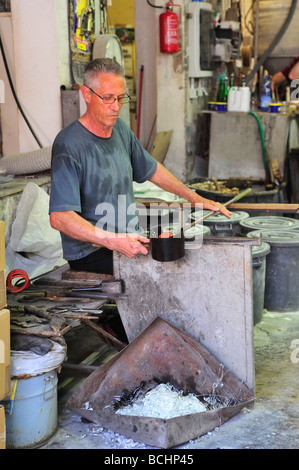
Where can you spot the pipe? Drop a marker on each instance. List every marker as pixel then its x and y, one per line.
pixel 139 101
pixel 257 16
pixel 27 163
pixel 251 113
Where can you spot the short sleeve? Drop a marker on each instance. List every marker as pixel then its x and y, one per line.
pixel 65 184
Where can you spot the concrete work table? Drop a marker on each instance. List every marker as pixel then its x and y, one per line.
pixel 207 294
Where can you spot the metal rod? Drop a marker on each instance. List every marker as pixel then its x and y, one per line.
pixel 104 333
pixel 231 201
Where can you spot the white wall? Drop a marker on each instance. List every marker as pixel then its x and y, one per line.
pixel 8 110
pixel 171 97
pixel 37 50
pixel 164 84
pixel 166 87
pixel 146 44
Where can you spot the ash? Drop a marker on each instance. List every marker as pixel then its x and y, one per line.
pixel 164 402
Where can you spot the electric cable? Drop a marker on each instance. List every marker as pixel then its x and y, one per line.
pixel 276 40
pixel 154 6
pixel 15 95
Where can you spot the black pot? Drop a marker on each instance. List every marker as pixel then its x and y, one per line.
pixel 167 249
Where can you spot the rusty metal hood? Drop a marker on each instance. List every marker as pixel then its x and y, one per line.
pixel 165 353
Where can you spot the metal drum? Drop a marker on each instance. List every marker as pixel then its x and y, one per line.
pixel 282 269
pixel 259 255
pixel 221 226
pixel 270 222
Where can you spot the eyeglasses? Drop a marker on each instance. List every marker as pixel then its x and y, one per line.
pixel 111 99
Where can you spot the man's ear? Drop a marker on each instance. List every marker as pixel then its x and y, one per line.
pixel 86 93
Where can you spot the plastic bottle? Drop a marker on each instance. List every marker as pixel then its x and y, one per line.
pixel 266 97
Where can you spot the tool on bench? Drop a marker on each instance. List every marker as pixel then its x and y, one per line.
pixel 22 280
pixel 74 309
pixel 116 287
pixel 105 289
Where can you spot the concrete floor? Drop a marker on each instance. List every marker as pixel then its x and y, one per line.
pixel 273 423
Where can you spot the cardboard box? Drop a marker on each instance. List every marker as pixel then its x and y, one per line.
pixel 5 383
pixel 2 428
pixel 3 298
pixel 2 245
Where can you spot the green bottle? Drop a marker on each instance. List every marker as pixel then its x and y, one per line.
pixel 225 90
pixel 220 94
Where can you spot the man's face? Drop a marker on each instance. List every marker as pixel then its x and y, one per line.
pixel 106 114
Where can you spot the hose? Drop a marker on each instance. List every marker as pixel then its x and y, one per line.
pixel 140 101
pixel 21 276
pixel 152 5
pixel 278 37
pixel 251 113
pixel 15 95
pixel 28 162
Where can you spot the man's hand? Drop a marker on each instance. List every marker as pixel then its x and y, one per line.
pixel 215 206
pixel 167 181
pixel 129 244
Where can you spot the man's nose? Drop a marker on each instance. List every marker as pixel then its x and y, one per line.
pixel 116 104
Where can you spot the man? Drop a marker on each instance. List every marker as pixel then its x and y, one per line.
pixel 291 72
pixel 94 162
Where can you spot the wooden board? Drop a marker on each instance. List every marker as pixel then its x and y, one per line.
pixel 160 145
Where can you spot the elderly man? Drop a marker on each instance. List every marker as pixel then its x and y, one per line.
pixel 94 163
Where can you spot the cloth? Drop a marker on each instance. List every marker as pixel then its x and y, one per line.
pixel 94 176
pixel 100 261
pixel 34 245
pixel 289 67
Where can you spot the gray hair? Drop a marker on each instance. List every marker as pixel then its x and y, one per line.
pixel 98 66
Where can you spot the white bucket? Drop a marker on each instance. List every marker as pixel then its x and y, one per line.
pixel 31 418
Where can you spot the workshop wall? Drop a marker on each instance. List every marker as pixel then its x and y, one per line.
pixel 37 56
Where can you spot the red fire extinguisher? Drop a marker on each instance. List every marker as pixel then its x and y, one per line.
pixel 169 29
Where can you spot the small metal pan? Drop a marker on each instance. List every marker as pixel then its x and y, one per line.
pixel 173 247
pixel 167 249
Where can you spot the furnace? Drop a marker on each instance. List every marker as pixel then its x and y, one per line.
pixel 163 353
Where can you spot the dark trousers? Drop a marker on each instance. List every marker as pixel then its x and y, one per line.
pixel 100 261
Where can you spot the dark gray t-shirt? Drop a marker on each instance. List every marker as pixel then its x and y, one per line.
pixel 94 176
